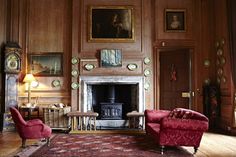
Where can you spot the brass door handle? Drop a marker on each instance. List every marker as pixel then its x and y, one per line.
pixel 185 95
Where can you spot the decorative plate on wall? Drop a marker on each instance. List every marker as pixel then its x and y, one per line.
pixel 74 73
pixel 206 63
pixel 56 83
pixel 223 79
pixel 207 81
pixel 219 52
pixel 74 85
pixel 132 66
pixel 222 60
pixel 217 44
pixel 147 72
pixel 146 85
pixel 218 80
pixel 74 60
pixel 89 67
pixel 147 60
pixel 220 72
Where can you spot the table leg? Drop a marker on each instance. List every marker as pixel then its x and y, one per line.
pixel 95 123
pixel 90 125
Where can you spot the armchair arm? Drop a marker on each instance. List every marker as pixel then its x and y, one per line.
pixel 184 124
pixel 155 116
pixel 33 122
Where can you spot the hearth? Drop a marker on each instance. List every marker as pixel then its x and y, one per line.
pixel 94 94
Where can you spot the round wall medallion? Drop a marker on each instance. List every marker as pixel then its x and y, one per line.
pixel 74 72
pixel 89 67
pixel 223 79
pixel 222 41
pixel 74 60
pixel 220 71
pixel 207 81
pixel 218 80
pixel 146 85
pixel 132 66
pixel 56 83
pixel 74 85
pixel 206 63
pixel 217 44
pixel 147 72
pixel 222 60
pixel 219 52
pixel 147 60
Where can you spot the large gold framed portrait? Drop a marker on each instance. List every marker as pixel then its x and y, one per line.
pixel 111 24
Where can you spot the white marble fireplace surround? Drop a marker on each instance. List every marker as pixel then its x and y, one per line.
pixel 86 94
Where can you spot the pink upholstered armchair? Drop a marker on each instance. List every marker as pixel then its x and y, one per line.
pixel 180 127
pixel 32 129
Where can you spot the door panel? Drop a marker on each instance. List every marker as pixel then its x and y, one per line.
pixel 175 79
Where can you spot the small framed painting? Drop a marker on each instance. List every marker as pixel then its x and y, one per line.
pixel 111 24
pixel 111 58
pixel 46 64
pixel 175 20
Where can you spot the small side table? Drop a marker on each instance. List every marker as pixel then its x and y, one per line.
pixel 132 117
pixel 29 110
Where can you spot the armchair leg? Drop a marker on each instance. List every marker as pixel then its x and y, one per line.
pixel 23 143
pixel 195 150
pixel 48 141
pixel 162 150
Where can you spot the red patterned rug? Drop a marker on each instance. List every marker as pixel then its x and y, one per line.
pixel 101 145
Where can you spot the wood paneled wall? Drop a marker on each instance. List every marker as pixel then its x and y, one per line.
pixel 42 26
pixel 197 38
pixel 3 22
pixel 226 86
pixel 45 27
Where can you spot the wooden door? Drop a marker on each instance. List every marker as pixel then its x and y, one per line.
pixel 175 79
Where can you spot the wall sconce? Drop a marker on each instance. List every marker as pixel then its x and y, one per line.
pixel 29 78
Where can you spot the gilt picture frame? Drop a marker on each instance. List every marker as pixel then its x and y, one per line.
pixel 175 20
pixel 111 24
pixel 111 58
pixel 45 64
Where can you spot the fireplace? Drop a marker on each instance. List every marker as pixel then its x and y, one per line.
pixel 111 109
pixel 112 106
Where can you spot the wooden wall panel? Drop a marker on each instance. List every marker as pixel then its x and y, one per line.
pixel 221 37
pixel 3 22
pixel 197 37
pixel 45 27
pixel 46 22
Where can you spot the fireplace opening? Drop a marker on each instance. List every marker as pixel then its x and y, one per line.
pixel 113 101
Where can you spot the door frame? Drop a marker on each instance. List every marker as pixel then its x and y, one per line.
pixel 156 73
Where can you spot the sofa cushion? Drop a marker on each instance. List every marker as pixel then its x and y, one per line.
pixel 177 113
pixel 153 128
pixel 187 114
pixel 155 116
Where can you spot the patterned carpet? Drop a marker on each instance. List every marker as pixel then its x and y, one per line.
pixel 103 145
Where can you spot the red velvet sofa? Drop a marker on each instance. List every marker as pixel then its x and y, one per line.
pixel 180 127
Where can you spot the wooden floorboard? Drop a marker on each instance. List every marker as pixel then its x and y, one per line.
pixel 212 144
